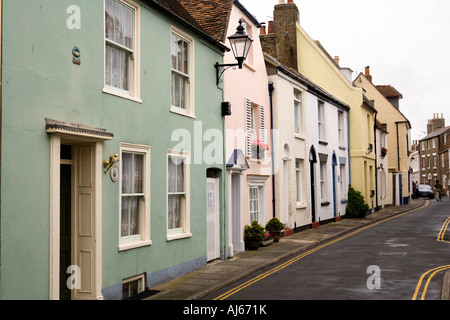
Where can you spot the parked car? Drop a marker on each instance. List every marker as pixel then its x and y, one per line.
pixel 424 190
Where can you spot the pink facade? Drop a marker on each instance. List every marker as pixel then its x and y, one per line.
pixel 249 181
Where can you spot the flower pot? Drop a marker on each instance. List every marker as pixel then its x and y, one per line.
pixel 275 235
pixel 266 243
pixel 252 245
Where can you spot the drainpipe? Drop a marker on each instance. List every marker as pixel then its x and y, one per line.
pixel 271 88
pixel 348 149
pixel 376 162
pixel 398 149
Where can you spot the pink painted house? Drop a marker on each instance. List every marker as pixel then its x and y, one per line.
pixel 249 173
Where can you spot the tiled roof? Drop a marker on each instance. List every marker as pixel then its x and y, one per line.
pixel 435 133
pixel 175 7
pixel 177 10
pixel 389 91
pixel 212 15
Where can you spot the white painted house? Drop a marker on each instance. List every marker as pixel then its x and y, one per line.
pixel 311 159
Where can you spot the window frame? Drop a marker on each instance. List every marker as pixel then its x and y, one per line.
pixel 134 91
pixel 298 123
pixel 299 181
pixel 321 120
pixel 341 128
pixel 189 81
pixel 185 230
pixel 323 180
pixel 140 279
pixel 260 183
pixel 134 241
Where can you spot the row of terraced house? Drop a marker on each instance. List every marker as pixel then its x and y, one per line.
pixel 134 151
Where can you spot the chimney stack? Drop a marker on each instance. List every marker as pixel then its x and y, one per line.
pixel 435 123
pixel 336 59
pixel 367 73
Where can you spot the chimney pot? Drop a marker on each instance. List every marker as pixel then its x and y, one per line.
pixel 262 30
pixel 442 115
pixel 336 59
pixel 290 1
pixel 280 1
pixel 271 28
pixel 367 71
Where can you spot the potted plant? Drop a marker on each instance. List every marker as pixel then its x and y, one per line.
pixel 267 241
pixel 258 149
pixel 383 152
pixel 274 226
pixel 254 234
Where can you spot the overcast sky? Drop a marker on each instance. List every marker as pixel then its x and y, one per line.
pixel 406 43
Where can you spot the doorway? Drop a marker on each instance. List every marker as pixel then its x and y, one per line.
pixel 312 161
pixel 212 219
pixel 65 224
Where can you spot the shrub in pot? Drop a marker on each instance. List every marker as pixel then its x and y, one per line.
pixel 274 226
pixel 254 234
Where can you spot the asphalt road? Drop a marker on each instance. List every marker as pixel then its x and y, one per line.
pixel 399 259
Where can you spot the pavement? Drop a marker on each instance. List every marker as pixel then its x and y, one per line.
pixel 220 273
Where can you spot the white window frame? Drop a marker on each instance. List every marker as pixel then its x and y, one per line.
pixel 299 181
pixel 140 279
pixel 258 182
pixel 298 112
pixel 323 180
pixel 185 230
pixel 341 128
pixel 189 89
pixel 134 91
pixel 434 142
pixel 321 120
pixel 143 238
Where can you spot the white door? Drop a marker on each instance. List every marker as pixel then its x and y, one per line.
pixel 84 226
pixel 212 219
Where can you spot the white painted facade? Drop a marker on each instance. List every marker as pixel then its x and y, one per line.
pixel 293 180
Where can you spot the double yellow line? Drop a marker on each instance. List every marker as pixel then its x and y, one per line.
pixel 443 230
pixel 434 271
pixel 291 261
pixel 419 285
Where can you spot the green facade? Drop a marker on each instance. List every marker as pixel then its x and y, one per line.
pixel 39 80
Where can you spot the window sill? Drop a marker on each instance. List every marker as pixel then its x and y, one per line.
pixel 342 148
pixel 300 206
pixel 181 112
pixel 323 143
pixel 299 136
pixel 176 236
pixel 134 244
pixel 325 203
pixel 121 95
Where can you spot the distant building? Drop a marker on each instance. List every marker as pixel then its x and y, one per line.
pixel 434 153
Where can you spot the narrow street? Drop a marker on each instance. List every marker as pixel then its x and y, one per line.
pixel 400 259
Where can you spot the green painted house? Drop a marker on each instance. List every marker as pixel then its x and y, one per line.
pixel 112 165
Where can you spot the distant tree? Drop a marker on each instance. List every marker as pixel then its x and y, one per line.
pixel 356 207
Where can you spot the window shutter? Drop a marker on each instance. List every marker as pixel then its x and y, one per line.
pixel 248 127
pixel 262 128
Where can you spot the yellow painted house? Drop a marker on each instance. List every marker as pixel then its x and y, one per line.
pixel 386 99
pixel 309 58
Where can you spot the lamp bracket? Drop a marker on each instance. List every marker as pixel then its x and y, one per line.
pixel 221 68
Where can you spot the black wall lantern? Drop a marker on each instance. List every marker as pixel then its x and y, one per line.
pixel 240 45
